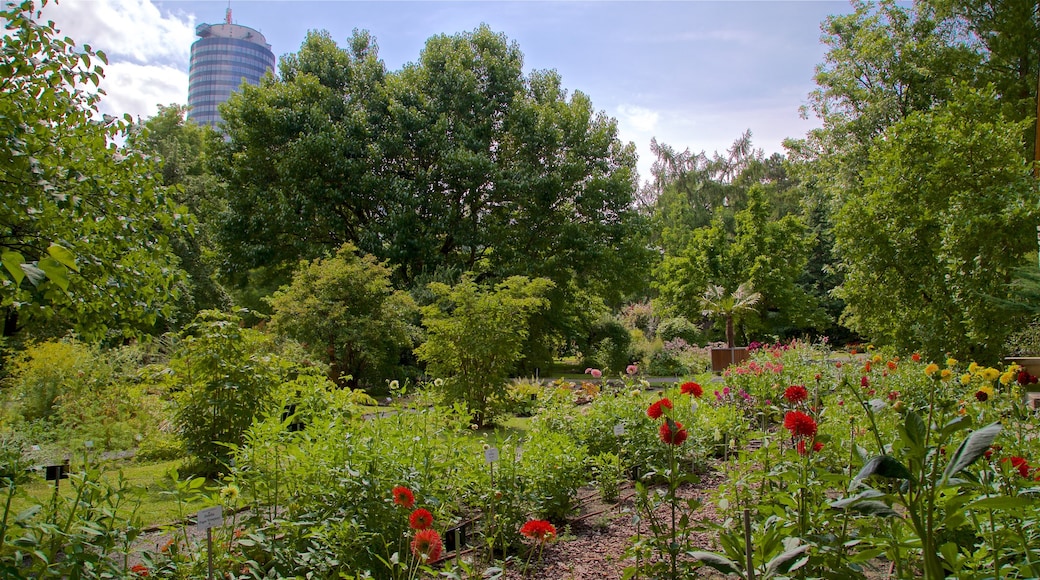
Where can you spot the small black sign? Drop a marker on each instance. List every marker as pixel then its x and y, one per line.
pixel 56 472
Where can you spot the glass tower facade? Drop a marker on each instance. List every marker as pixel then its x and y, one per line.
pixel 222 58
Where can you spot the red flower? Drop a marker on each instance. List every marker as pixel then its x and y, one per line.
pixel 982 396
pixel 427 545
pixel 800 424
pixel 140 569
pixel 420 519
pixel 916 357
pixel 655 410
pixel 863 382
pixel 692 388
pixel 796 394
pixel 670 435
pixel 1018 463
pixel 816 447
pixel 403 497
pixel 540 530
pixel 893 395
pixel 891 365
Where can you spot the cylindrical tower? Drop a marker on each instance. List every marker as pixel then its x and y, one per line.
pixel 224 56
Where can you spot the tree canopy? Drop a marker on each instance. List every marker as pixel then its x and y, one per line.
pixel 84 224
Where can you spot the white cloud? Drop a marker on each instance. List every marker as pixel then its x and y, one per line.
pixel 639 118
pixel 148 50
pixel 139 89
pixel 133 30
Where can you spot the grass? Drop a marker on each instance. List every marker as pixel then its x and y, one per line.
pixel 148 480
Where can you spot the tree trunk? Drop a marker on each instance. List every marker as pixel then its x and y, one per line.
pixel 730 333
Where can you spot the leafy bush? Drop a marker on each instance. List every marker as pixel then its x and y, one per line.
pixel 345 308
pixel 476 335
pixel 225 377
pixel 680 327
pixel 554 470
pixel 67 392
pixel 608 345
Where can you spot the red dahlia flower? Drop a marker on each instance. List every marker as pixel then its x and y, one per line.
pixel 427 545
pixel 796 394
pixel 140 569
pixel 403 497
pixel 672 432
pixel 692 388
pixel 655 410
pixel 800 424
pixel 916 357
pixel 420 519
pixel 540 530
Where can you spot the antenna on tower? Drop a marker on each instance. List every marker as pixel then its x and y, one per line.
pixel 227 16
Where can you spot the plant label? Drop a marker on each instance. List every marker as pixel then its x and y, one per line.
pixel 210 518
pixel 619 430
pixel 35 447
pixel 491 455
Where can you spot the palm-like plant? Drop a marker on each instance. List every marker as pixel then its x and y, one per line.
pixel 717 302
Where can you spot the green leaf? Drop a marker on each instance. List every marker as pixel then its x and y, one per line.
pixel 717 561
pixel 63 255
pixel 788 561
pixel 1000 502
pixel 875 508
pixel 56 272
pixel 884 466
pixel 13 263
pixel 863 495
pixel 914 430
pixel 973 446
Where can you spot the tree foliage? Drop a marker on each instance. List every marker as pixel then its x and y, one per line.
pixel 922 163
pixel 345 309
pixel 83 223
pixel 459 162
pixel 475 336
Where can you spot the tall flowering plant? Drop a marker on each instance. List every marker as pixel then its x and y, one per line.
pixel 670 534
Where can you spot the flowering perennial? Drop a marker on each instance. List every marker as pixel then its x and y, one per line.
pixel 420 519
pixel 540 530
pixel 427 545
pixel 796 394
pixel 672 432
pixel 800 424
pixel 403 497
pixel 692 388
pixel 655 410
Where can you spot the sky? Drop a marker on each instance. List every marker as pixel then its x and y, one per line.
pixel 692 74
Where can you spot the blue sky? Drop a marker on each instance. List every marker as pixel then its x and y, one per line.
pixel 693 74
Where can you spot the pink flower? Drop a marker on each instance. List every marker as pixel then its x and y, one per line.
pixel 631 369
pixel 596 373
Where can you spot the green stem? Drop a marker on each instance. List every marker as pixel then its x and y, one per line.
pixel 994 546
pixel 7 510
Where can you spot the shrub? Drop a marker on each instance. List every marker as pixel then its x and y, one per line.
pixel 608 345
pixel 476 335
pixel 225 377
pixel 673 328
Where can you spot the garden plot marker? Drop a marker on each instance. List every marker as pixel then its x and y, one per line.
pixel 208 519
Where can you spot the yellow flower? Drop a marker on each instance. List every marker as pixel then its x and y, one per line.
pixel 990 374
pixel 946 374
pixel 973 367
pixel 1006 378
pixel 951 362
pixel 965 379
pixel 931 369
pixel 877 358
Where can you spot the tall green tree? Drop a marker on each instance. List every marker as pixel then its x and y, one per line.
pixel 944 214
pixel 181 150
pixel 457 163
pixel 748 247
pixel 917 275
pixel 84 224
